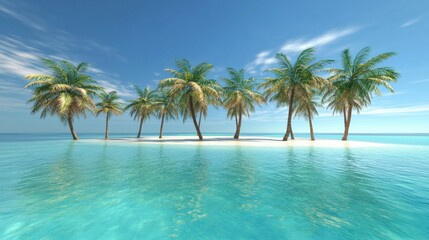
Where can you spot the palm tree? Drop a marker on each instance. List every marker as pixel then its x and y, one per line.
pixel 109 104
pixel 190 86
pixel 209 100
pixel 67 93
pixel 291 78
pixel 142 107
pixel 166 108
pixel 306 106
pixel 336 103
pixel 354 84
pixel 240 96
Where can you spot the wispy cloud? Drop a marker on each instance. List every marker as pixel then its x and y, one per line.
pixel 28 19
pixel 389 110
pixel 57 40
pixel 18 58
pixel 410 22
pixel 298 45
pixel 396 110
pixel 12 104
pixel 125 91
pixel 266 58
pixel 271 113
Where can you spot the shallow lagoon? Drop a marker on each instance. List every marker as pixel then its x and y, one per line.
pixel 59 189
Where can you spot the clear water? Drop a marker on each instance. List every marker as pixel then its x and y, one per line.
pixel 51 188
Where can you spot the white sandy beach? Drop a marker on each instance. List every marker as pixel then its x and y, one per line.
pixel 255 141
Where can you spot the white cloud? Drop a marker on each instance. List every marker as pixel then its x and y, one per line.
pixel 114 85
pixel 266 58
pixel 262 59
pixel 410 22
pixel 299 45
pixel 18 59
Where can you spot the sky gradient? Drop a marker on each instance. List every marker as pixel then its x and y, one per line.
pixel 132 44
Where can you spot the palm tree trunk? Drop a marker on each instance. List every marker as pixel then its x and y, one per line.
pixel 347 127
pixel 289 117
pixel 236 124
pixel 106 135
pixel 140 128
pixel 311 125
pixel 291 134
pixel 197 127
pixel 345 116
pixel 237 132
pixel 199 120
pixel 70 122
pixel 162 126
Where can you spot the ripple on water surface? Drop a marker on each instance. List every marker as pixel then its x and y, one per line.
pixel 93 190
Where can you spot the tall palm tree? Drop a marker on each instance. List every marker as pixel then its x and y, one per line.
pixel 67 93
pixel 109 104
pixel 190 86
pixel 291 78
pixel 355 83
pixel 240 96
pixel 306 106
pixel 336 102
pixel 143 106
pixel 166 108
pixel 202 109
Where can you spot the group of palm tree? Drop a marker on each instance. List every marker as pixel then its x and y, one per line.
pixel 69 93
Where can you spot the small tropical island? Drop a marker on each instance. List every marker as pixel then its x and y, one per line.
pixel 69 93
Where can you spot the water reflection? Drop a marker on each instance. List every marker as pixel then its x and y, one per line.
pixel 101 190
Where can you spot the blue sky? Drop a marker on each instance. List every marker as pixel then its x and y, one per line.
pixel 133 43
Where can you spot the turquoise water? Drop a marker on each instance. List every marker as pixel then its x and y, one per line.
pixel 53 188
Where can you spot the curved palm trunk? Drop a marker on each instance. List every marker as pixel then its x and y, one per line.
pixel 106 135
pixel 199 120
pixel 73 133
pixel 289 117
pixel 194 119
pixel 347 127
pixel 311 125
pixel 237 132
pixel 162 126
pixel 140 128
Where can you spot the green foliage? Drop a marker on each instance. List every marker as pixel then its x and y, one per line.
pixel 240 94
pixel 298 76
pixel 109 104
pixel 144 105
pixel 354 84
pixel 166 105
pixel 189 82
pixel 68 92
